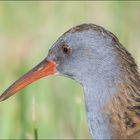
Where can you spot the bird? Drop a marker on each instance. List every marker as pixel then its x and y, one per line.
pixel 95 58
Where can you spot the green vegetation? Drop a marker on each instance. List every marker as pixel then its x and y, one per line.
pixel 27 31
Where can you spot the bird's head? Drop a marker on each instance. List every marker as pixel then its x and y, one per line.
pixel 77 54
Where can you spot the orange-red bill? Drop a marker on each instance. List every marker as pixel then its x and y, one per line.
pixel 41 70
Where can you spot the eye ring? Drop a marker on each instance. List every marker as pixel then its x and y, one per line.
pixel 66 49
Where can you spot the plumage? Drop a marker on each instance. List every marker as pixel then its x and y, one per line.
pixel 95 58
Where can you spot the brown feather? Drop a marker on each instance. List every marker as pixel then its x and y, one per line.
pixel 125 105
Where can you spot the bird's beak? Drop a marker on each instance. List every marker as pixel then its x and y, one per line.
pixel 41 70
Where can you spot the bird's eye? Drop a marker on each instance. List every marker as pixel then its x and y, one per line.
pixel 66 49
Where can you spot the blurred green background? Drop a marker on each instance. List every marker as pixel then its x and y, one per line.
pixel 27 31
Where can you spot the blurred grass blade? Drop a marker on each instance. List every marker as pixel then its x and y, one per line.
pixel 34 119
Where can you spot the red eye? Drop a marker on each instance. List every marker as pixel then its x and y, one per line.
pixel 66 49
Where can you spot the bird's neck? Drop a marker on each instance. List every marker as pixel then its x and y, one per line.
pixel 113 98
pixel 98 92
